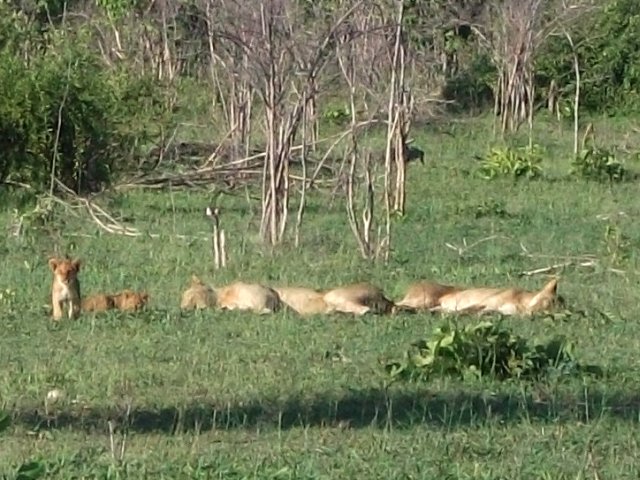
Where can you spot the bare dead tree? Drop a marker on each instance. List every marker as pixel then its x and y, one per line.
pixel 232 86
pixel 218 240
pixel 283 62
pixel 576 102
pixel 513 33
pixel 306 119
pixel 398 122
pixel 346 54
pixel 361 230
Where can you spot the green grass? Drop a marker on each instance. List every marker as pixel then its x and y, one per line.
pixel 234 395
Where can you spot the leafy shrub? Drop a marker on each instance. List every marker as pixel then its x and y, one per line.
pixel 484 350
pixel 516 162
pixel 337 115
pixel 616 244
pixel 470 89
pixel 599 164
pixel 608 45
pixel 62 111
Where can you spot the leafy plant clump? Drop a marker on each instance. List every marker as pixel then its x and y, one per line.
pixel 599 164
pixel 485 350
pixel 522 162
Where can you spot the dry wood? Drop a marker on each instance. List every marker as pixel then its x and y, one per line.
pixel 217 238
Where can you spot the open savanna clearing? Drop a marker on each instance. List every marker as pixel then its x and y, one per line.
pixel 236 395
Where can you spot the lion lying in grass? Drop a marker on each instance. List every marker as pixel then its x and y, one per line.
pixel 127 300
pixel 198 295
pixel 359 299
pixel 236 296
pixel 507 301
pixel 305 301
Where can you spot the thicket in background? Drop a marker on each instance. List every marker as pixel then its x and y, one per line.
pixel 91 91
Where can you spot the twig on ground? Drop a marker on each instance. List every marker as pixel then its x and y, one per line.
pixel 550 268
pixel 98 214
pixel 465 247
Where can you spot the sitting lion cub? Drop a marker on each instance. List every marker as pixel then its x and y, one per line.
pixel 359 298
pixel 65 291
pixel 305 301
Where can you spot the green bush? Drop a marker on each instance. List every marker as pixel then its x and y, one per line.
pixel 485 350
pixel 63 111
pixel 518 163
pixel 599 164
pixel 608 46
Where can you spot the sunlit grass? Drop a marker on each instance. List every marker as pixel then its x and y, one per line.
pixel 234 395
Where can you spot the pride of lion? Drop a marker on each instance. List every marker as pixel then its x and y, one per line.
pixel 357 299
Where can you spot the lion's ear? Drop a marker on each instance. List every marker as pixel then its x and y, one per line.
pixel 551 287
pixel 76 265
pixel 53 263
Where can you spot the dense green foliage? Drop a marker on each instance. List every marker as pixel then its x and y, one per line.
pixel 62 111
pixel 65 109
pixel 485 349
pixel 607 44
pixel 522 162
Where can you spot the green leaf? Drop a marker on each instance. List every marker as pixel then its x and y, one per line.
pixel 30 471
pixel 447 339
pixel 5 421
pixel 422 361
pixel 394 368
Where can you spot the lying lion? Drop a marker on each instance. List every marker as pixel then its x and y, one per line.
pixel 198 295
pixel 130 301
pixel 97 303
pixel 127 300
pixel 359 299
pixel 507 301
pixel 305 301
pixel 236 296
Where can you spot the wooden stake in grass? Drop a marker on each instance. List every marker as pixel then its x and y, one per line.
pixel 217 239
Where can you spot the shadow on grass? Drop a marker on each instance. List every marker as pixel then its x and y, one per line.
pixel 357 409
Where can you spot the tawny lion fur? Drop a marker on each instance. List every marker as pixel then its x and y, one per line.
pixel 425 295
pixel 305 301
pixel 507 301
pixel 359 299
pixel 130 301
pixel 97 303
pixel 248 296
pixel 198 295
pixel 65 289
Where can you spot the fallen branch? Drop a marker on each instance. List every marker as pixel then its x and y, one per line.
pixel 551 268
pixel 103 219
pixel 465 247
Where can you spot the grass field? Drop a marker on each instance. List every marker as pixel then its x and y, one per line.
pixel 234 395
